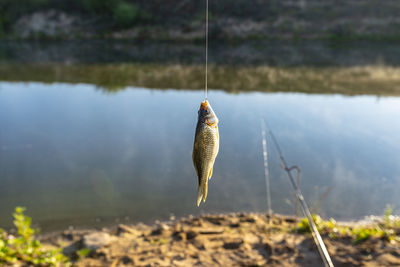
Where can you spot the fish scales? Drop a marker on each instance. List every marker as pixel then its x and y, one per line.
pixel 207 147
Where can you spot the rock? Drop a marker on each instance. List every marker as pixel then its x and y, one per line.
pixel 126 229
pixel 178 227
pixel 71 249
pixel 248 219
pixel 274 260
pixel 182 263
pixel 195 222
pixel 234 244
pixel 191 235
pixel 164 226
pixel 199 244
pixel 214 219
pixel 250 238
pixel 126 260
pixel 290 219
pixel 178 236
pixel 67 235
pixel 95 241
pixel 157 231
pixel 161 228
pixel 211 231
pixel 389 259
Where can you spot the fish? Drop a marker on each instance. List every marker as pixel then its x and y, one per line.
pixel 205 148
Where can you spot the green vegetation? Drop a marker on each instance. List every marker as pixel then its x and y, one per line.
pixel 125 13
pixel 275 19
pixel 121 13
pixel 83 253
pixel 24 248
pixel 111 13
pixel 388 229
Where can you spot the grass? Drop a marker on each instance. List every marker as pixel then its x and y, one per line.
pixel 388 228
pixel 24 248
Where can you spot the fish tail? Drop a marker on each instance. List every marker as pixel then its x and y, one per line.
pixel 202 192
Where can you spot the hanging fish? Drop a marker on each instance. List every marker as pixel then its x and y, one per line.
pixel 205 148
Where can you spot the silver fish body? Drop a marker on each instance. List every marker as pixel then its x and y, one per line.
pixel 205 148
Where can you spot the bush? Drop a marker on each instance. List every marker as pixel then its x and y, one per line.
pixel 24 248
pixel 125 14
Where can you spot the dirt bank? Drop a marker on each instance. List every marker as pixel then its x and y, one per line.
pixel 219 240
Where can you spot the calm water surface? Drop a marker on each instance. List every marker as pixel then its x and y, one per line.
pixel 76 155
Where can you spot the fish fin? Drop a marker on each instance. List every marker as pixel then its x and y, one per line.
pixel 210 174
pixel 205 191
pixel 202 193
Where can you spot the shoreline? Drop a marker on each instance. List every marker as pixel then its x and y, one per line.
pixel 233 239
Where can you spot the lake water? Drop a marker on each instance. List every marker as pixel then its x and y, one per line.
pixel 75 155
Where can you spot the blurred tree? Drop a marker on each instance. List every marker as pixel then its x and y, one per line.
pixel 124 14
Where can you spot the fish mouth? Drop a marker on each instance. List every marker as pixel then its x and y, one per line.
pixel 211 124
pixel 204 105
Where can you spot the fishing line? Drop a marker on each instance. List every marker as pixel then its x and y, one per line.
pixel 206 82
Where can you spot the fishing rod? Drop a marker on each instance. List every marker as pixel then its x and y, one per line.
pixel 266 172
pixel 304 207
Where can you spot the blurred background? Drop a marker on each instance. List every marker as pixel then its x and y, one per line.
pixel 99 100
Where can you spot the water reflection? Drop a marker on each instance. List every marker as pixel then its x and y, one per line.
pixel 74 155
pixel 367 80
pixel 277 53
